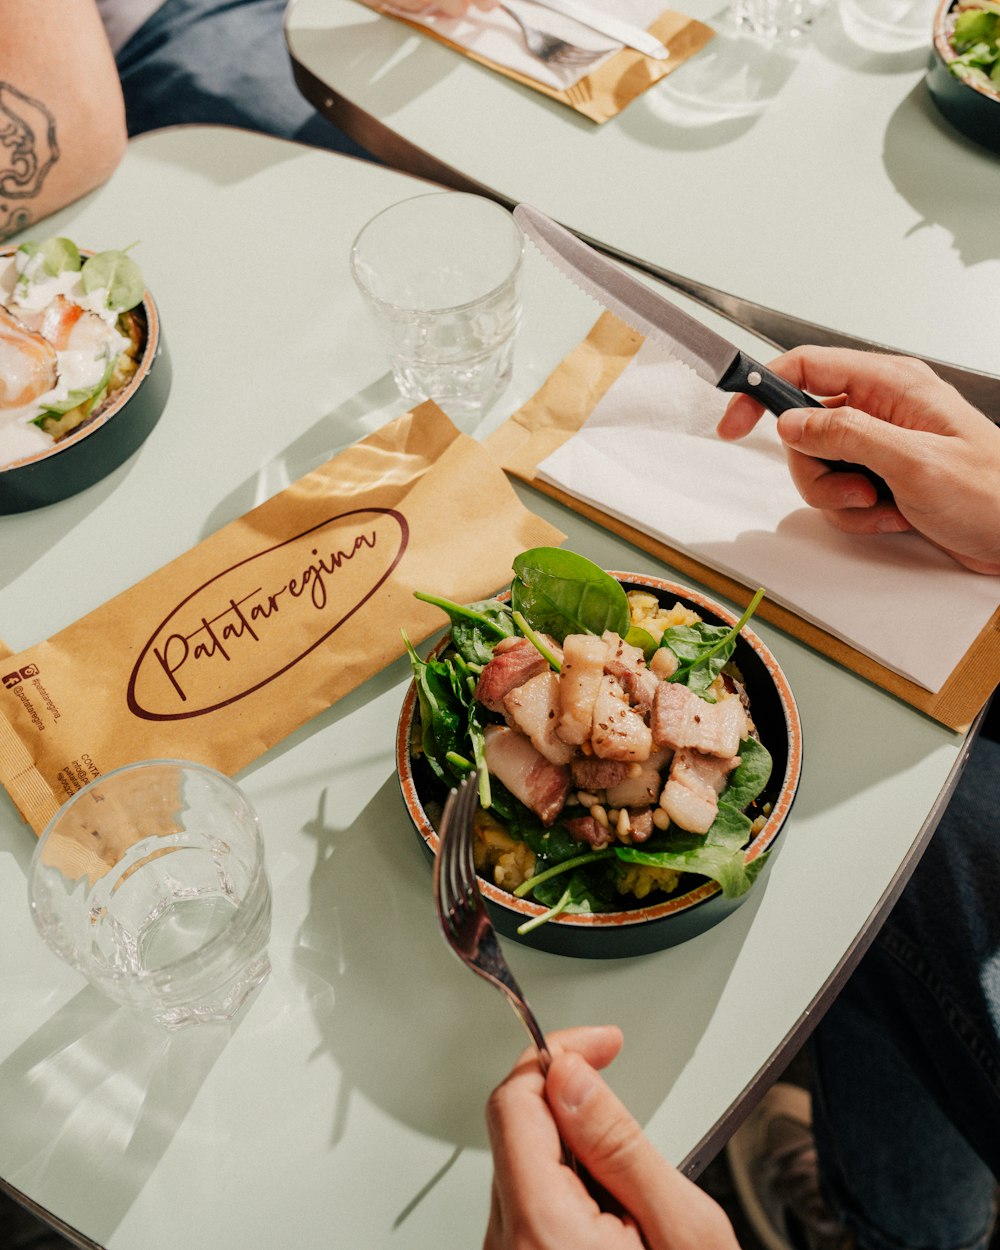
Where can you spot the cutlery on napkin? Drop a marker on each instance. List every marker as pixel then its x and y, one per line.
pixel 608 23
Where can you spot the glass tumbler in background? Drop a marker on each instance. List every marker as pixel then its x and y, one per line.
pixel 151 882
pixel 441 273
pixel 775 19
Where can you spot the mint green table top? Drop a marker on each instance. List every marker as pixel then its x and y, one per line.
pixel 345 1109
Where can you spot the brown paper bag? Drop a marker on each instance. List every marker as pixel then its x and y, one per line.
pixel 226 650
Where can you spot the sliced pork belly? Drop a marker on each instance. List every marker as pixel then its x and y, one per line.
pixel 592 832
pixel 663 664
pixel 640 821
pixel 590 773
pixel 527 774
pixel 619 732
pixel 681 719
pixel 515 661
pixel 643 788
pixel 628 665
pixel 579 683
pixel 534 709
pixel 690 797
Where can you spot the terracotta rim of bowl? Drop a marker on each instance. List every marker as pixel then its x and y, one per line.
pixel 641 915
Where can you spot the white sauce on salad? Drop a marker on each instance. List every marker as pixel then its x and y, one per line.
pixel 80 366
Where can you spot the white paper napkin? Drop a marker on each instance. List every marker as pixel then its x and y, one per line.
pixel 492 34
pixel 649 455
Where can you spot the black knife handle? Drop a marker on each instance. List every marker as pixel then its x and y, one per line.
pixel 748 377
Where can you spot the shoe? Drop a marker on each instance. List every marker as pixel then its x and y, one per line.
pixel 772 1160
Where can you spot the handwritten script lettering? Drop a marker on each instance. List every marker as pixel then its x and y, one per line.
pixel 252 622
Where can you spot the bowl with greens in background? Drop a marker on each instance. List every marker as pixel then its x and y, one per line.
pixel 964 74
pixel 84 371
pixel 638 750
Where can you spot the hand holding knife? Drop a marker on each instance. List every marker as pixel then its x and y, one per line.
pixel 710 355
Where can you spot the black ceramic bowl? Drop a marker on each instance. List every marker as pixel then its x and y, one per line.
pixel 698 904
pixel 974 112
pixel 101 444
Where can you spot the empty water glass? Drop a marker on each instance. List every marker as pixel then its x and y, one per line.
pixel 151 882
pixel 775 19
pixel 441 273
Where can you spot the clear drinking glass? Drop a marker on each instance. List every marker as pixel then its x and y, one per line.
pixel 151 882
pixel 441 273
pixel 775 19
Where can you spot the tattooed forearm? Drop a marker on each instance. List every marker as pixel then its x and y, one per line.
pixel 28 150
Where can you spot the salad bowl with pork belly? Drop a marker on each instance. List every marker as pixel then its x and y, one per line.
pixel 637 745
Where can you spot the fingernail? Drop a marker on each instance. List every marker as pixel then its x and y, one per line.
pixel 791 426
pixel 578 1083
pixel 890 525
pixel 857 499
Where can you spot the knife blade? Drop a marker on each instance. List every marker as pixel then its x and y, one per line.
pixel 710 355
pixel 607 24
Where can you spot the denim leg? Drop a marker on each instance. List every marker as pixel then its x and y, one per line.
pixel 220 62
pixel 907 1060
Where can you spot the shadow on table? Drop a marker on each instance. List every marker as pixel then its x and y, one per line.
pixel 365 51
pixel 716 96
pixel 941 198
pixel 358 416
pixel 90 1120
pixel 25 541
pixel 444 1038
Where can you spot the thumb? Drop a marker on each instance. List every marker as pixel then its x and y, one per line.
pixel 847 434
pixel 611 1145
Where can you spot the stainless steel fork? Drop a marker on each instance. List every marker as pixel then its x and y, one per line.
pixel 462 911
pixel 550 48
pixel 470 933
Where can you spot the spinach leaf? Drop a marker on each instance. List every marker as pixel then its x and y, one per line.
pixel 643 639
pixel 53 257
pixel 550 845
pixel 584 859
pixel 117 274
pixel 718 854
pixel 750 776
pixel 716 862
pixel 443 698
pixel 703 650
pixel 476 628
pixel 559 593
pixel 558 895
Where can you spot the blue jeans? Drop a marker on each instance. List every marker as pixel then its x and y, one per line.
pixel 907 1060
pixel 220 62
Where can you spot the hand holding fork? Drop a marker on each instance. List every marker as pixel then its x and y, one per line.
pixel 470 933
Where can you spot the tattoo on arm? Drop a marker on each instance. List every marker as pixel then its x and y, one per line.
pixel 28 150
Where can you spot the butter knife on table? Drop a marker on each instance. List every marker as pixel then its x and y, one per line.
pixel 608 24
pixel 711 356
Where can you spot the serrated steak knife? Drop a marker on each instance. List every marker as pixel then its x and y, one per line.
pixel 710 355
